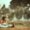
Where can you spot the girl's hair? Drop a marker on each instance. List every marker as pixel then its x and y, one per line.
pixel 3 18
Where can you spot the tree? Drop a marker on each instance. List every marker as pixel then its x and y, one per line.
pixel 4 10
pixel 27 13
pixel 15 3
pixel 3 6
pixel 19 11
pixel 11 16
pixel 19 14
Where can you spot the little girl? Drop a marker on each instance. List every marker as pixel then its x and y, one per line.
pixel 3 20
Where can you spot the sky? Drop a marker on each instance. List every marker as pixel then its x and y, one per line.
pixel 6 2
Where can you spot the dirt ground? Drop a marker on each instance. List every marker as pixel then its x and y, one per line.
pixel 16 28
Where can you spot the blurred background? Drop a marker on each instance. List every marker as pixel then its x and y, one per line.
pixel 15 10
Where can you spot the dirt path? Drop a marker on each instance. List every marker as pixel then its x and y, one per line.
pixel 16 28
